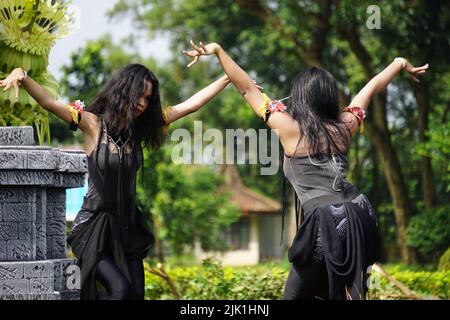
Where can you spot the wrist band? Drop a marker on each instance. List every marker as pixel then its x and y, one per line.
pixel 403 60
pixel 25 74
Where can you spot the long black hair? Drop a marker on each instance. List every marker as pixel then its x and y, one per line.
pixel 121 95
pixel 315 106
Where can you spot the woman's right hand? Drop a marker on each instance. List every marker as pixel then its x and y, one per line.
pixel 13 80
pixel 413 71
pixel 200 50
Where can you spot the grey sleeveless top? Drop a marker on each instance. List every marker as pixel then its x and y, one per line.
pixel 315 176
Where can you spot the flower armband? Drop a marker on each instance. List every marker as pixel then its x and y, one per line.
pixel 269 106
pixel 164 123
pixel 359 113
pixel 76 109
pixel 165 112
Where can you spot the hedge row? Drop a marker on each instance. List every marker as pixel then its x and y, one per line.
pixel 212 281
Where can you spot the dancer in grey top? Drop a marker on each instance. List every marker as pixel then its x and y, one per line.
pixel 338 237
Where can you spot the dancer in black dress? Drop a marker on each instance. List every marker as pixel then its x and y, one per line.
pixel 338 237
pixel 110 236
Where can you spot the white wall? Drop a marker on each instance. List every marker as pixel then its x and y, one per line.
pixel 237 257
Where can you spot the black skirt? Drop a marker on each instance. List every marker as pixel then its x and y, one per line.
pixel 103 234
pixel 346 238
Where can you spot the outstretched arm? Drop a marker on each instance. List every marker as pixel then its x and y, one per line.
pixel 381 80
pixel 378 83
pixel 287 127
pixel 198 100
pixel 18 76
pixel 241 80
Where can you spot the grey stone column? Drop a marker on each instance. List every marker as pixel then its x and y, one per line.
pixel 33 183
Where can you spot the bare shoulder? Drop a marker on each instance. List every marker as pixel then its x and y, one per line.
pixel 90 125
pixel 350 120
pixel 288 130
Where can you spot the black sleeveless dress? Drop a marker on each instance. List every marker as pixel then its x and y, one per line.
pixel 109 222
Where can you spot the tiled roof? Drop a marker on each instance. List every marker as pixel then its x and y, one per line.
pixel 245 198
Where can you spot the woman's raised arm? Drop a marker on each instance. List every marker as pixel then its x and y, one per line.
pixel 247 88
pixel 195 102
pixel 358 105
pixel 19 76
pixel 381 80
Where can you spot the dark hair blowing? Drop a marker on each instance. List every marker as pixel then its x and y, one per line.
pixel 315 106
pixel 121 95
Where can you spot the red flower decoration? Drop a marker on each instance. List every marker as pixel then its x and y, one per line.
pixel 359 113
pixel 275 106
pixel 78 105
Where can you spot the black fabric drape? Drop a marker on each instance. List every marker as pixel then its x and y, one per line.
pixel 346 263
pixel 118 227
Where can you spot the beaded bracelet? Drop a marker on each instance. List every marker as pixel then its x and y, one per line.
pixel 403 60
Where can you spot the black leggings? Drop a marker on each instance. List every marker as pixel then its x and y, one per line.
pixel 307 283
pixel 116 284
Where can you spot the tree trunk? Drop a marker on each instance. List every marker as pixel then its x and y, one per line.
pixel 375 196
pixel 428 187
pixel 379 135
pixel 397 188
pixel 158 246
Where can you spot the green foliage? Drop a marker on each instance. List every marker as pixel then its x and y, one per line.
pixel 187 204
pixel 90 68
pixel 426 284
pixel 212 281
pixel 438 145
pixel 444 261
pixel 265 39
pixel 33 26
pixel 429 232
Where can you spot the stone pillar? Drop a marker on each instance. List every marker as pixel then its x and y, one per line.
pixel 33 183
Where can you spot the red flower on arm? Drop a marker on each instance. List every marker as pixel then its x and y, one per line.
pixel 78 105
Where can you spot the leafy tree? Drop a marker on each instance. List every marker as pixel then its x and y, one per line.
pixel 276 39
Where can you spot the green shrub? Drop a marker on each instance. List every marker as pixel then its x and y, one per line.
pixel 429 232
pixel 444 261
pixel 212 281
pixel 424 283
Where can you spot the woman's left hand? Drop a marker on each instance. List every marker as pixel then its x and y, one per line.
pixel 413 71
pixel 200 50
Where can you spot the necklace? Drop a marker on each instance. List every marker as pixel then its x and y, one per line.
pixel 119 144
pixel 122 145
